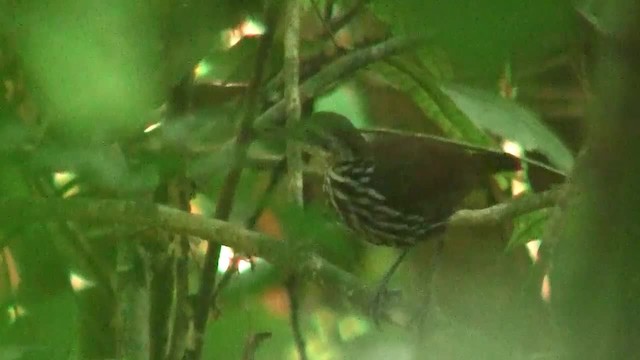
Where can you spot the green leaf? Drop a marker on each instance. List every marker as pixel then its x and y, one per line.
pixel 316 229
pixel 480 35
pixel 94 65
pixel 528 227
pixel 424 88
pixel 227 336
pixel 510 120
pixel 46 331
pixel 234 64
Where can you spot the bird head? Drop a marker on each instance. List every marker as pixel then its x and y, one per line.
pixel 332 134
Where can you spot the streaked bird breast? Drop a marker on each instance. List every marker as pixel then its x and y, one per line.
pixel 364 208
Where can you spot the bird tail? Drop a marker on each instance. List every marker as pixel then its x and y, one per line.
pixel 499 161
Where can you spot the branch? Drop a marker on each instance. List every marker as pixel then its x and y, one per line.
pixel 183 312
pixel 224 203
pixel 337 70
pixel 311 65
pixel 343 19
pixel 292 98
pixel 294 154
pixel 151 216
pixel 313 267
pixel 293 288
pixel 508 210
pixel 132 289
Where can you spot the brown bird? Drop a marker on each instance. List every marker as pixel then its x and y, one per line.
pixel 393 189
pixel 396 190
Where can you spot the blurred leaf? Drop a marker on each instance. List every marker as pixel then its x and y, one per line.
pixel 235 64
pixel 12 180
pixel 210 183
pixel 252 283
pixel 232 65
pixel 480 35
pixel 102 167
pixel 424 88
pixel 212 163
pixel 14 136
pixel 511 121
pixel 94 64
pixel 242 319
pixel 99 68
pixel 35 253
pixel 15 352
pixel 316 229
pixel 528 227
pixel 45 331
pixel 212 95
pixel 192 28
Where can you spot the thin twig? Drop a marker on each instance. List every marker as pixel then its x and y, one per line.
pixel 277 173
pixel 252 344
pixel 294 316
pixel 182 307
pixel 311 65
pixel 74 245
pixel 343 19
pixel 169 285
pixel 162 284
pixel 132 289
pixel 232 269
pixel 338 70
pixel 294 153
pixel 224 203
pixel 508 210
pixel 325 25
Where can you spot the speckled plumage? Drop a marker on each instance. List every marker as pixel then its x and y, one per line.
pixel 396 190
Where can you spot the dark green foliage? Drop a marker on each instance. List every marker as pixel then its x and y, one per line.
pixel 81 81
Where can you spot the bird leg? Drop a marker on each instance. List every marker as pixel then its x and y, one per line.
pixel 431 312
pixel 383 294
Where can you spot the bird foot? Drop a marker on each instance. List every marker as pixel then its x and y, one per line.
pixel 383 299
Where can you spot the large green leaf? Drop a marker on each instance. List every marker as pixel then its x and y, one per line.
pixel 479 35
pixel 94 66
pixel 511 121
pixel 316 229
pixel 98 68
pixel 423 86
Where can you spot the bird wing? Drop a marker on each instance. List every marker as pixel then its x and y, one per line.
pixel 429 179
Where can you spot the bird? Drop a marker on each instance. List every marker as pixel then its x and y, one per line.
pixel 393 189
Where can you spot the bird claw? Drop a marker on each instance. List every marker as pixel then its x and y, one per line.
pixel 382 300
pixel 384 297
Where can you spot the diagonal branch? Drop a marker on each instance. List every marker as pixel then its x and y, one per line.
pixel 224 202
pixel 508 210
pixel 337 70
pixel 313 267
pixel 344 18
